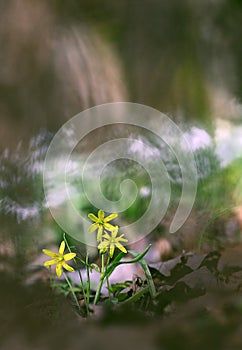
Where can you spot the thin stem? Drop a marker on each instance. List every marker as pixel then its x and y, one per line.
pixel 86 297
pixel 51 277
pixel 107 263
pixel 72 291
pixel 88 284
pixel 103 264
pixel 100 284
pixel 108 285
pixel 97 295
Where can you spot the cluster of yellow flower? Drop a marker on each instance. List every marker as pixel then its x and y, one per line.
pixel 107 241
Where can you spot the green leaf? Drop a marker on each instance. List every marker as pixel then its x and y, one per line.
pixel 118 287
pixel 117 262
pixel 136 296
pixel 111 301
pixel 148 276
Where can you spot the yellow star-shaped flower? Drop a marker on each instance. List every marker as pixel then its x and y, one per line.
pixel 101 223
pixel 59 259
pixel 112 241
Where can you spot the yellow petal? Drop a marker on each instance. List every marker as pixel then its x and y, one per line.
pixel 112 247
pixel 67 267
pixel 106 235
pixel 93 227
pixel 109 227
pixel 101 214
pixel 58 270
pixel 50 253
pixel 62 248
pixel 99 233
pixel 120 247
pixel 103 245
pixel 114 231
pixel 93 217
pixel 121 239
pixel 110 217
pixel 69 256
pixel 50 262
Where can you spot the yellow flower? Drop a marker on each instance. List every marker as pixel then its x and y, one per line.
pixel 59 259
pixel 101 223
pixel 112 241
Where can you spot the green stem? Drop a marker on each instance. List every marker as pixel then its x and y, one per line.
pixel 88 284
pixel 103 264
pixel 72 291
pixel 51 277
pixel 100 284
pixel 86 297
pixel 107 263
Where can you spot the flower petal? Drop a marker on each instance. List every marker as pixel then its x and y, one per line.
pixel 107 236
pixel 50 262
pixel 50 253
pixel 112 247
pixel 110 217
pixel 93 217
pixel 93 227
pixel 69 256
pixel 114 231
pixel 67 267
pixel 101 214
pixel 121 239
pixel 99 233
pixel 59 270
pixel 62 248
pixel 103 245
pixel 120 247
pixel 108 227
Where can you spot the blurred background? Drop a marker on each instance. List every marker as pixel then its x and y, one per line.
pixel 60 58
pixel 183 58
